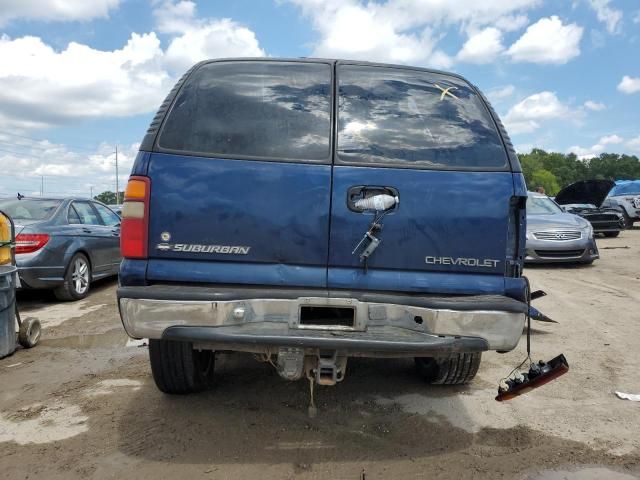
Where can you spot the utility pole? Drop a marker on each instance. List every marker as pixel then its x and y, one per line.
pixel 117 186
pixel 91 190
pixel 41 185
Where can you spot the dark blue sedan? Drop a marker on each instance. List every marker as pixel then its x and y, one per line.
pixel 64 244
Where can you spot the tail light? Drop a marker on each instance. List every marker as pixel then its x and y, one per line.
pixel 6 237
pixel 30 242
pixel 134 228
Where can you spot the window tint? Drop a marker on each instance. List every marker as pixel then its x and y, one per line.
pixel 29 209
pixel 73 217
pixel 87 214
pixel 413 118
pixel 275 110
pixel 108 217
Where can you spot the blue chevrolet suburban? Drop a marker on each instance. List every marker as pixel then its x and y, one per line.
pixel 309 210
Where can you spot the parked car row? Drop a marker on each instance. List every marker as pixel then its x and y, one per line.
pixel 64 244
pixel 563 229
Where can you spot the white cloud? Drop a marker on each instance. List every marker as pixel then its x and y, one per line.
pixel 547 41
pixel 402 31
pixel 586 153
pixel 595 106
pixel 65 171
pixel 527 115
pixel 611 17
pixel 611 140
pixel 55 10
pixel 596 149
pixel 511 23
pixel 629 85
pixel 201 38
pixel 498 94
pixel 358 32
pixel 636 17
pixel 634 144
pixel 482 47
pixel 174 17
pixel 41 86
pixel 214 39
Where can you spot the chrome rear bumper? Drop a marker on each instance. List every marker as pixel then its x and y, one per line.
pixel 251 324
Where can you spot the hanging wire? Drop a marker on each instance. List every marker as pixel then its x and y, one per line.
pixel 528 322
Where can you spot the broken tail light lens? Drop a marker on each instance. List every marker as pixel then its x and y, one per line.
pixel 134 228
pixel 542 374
pixel 31 242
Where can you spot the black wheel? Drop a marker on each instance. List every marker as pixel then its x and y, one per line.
pixel 179 369
pixel 29 333
pixel 76 280
pixel 457 369
pixel 627 219
pixel 611 234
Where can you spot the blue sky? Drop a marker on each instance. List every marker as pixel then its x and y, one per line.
pixel 78 78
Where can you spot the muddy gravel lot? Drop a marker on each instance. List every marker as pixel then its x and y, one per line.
pixel 82 404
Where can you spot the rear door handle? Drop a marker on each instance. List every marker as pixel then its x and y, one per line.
pixel 116 233
pixel 87 230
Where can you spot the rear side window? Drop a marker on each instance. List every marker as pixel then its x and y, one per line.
pixel 87 214
pixel 410 118
pixel 109 218
pixel 270 110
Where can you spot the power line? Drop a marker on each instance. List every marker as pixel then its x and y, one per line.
pixel 4 132
pixel 20 154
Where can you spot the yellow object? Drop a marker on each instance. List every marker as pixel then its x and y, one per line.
pixel 135 189
pixel 446 91
pixel 5 240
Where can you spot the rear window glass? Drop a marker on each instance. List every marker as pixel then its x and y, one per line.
pixel 412 118
pixel 29 209
pixel 272 110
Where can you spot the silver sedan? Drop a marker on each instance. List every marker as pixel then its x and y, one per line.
pixel 556 236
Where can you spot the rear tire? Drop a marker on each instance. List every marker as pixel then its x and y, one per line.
pixel 611 234
pixel 179 369
pixel 77 280
pixel 457 369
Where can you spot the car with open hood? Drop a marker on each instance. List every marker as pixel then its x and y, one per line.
pixel 585 198
pixel 556 236
pixel 626 196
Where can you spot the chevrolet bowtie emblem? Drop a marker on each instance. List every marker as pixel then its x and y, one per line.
pixel 446 91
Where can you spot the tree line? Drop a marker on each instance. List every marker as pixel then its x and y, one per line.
pixel 553 170
pixel 109 198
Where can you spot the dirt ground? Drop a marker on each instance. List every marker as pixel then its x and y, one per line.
pixel 83 405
